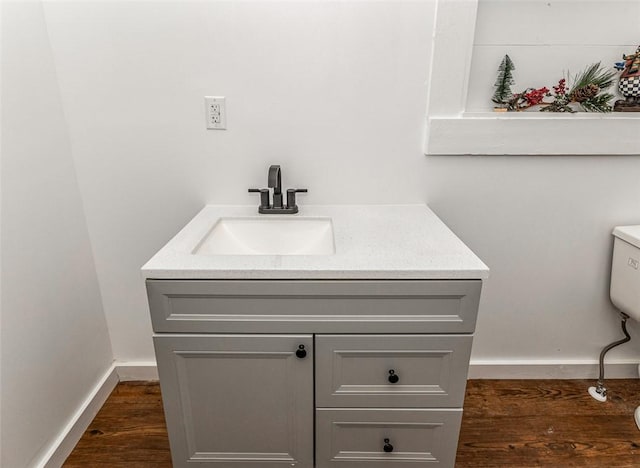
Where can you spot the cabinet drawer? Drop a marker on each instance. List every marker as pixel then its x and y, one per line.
pixel 355 438
pixel 391 370
pixel 235 306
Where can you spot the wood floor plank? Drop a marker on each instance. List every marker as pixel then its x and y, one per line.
pixel 128 431
pixel 506 423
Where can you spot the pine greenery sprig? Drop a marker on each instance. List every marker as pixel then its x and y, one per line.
pixel 593 74
pixel 591 77
pixel 586 89
pixel 599 103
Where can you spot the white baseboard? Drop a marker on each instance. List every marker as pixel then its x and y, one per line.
pixel 493 369
pixel 68 438
pixel 64 444
pixel 490 369
pixel 136 370
pixel 541 369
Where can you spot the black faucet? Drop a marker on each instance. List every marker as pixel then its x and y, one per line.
pixel 274 181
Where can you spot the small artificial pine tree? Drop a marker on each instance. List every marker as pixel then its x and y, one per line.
pixel 504 82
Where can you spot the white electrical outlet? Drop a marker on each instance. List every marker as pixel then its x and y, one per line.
pixel 215 112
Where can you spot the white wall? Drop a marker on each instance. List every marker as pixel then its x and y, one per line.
pixel 305 83
pixel 333 91
pixel 54 340
pixel 543 225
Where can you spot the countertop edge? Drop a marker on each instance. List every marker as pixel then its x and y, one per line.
pixel 316 275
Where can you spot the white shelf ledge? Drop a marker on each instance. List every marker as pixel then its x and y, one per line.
pixel 450 130
pixel 534 133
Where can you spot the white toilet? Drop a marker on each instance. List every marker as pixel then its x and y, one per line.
pixel 625 277
pixel 624 293
pixel 625 271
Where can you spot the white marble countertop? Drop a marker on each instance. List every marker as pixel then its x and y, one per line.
pixel 371 242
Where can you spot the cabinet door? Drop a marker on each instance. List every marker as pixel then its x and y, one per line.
pixel 237 400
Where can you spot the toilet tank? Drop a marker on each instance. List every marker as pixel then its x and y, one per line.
pixel 625 270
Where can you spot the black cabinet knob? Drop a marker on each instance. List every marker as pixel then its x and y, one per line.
pixel 301 352
pixel 387 446
pixel 393 377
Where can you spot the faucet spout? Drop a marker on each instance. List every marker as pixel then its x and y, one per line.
pixel 275 179
pixel 275 182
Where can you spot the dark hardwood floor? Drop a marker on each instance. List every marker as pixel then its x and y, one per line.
pixel 551 423
pixel 129 431
pixel 506 423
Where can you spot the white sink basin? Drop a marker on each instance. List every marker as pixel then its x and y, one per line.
pixel 269 236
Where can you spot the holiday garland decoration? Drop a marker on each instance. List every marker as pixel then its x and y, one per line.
pixel 528 98
pixel 588 89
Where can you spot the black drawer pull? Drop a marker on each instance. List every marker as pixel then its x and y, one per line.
pixel 393 377
pixel 387 446
pixel 301 352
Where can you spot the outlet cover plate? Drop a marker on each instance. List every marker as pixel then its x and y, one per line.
pixel 215 112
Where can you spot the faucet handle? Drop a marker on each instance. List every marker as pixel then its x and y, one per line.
pixel 264 196
pixel 291 198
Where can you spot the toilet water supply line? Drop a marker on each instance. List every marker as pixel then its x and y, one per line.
pixel 599 392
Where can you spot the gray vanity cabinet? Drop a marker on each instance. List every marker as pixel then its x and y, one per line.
pixel 312 373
